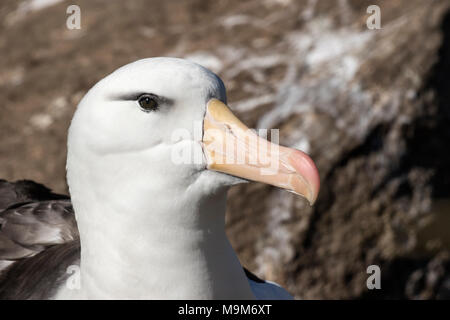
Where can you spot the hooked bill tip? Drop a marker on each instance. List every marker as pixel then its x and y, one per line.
pixel 305 167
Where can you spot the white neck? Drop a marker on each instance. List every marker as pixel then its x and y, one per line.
pixel 159 257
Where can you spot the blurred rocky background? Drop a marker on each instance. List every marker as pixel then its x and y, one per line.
pixel 370 106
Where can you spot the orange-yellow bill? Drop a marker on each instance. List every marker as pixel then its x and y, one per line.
pixel 232 148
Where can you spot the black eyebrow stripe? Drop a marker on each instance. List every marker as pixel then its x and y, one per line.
pixel 135 97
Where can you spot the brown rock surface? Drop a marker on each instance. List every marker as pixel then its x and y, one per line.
pixel 370 106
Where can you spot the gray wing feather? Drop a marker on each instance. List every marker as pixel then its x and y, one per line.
pixel 40 276
pixel 12 193
pixel 38 240
pixel 27 229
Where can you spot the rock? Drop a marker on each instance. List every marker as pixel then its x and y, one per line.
pixel 369 104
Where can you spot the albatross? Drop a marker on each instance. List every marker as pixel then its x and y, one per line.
pixel 152 150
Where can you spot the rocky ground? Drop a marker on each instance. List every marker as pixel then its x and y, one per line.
pixel 370 106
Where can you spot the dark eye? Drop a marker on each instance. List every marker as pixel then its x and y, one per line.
pixel 148 103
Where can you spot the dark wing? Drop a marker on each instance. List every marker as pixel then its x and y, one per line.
pixel 266 290
pixel 12 193
pixel 252 277
pixel 40 276
pixel 34 222
pixel 27 229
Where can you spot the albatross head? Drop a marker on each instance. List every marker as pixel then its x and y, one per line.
pixel 162 124
pixel 154 145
